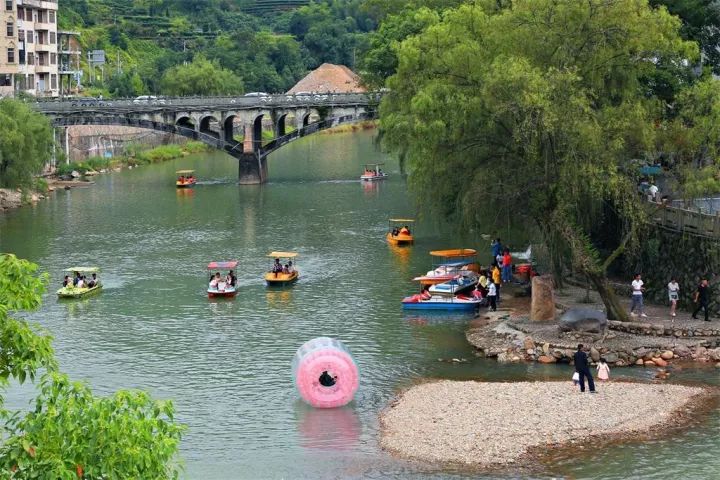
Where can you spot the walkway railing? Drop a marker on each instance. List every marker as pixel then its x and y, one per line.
pixel 685 221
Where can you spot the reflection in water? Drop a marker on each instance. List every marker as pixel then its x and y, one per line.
pixel 371 189
pixel 401 257
pixel 76 307
pixel 438 318
pixel 279 299
pixel 328 428
pixel 184 194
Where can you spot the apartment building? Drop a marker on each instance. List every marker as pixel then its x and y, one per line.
pixel 29 47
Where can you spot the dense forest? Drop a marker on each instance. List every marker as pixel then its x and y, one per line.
pixel 237 46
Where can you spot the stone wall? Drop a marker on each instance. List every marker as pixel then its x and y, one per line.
pixel 665 254
pixel 107 140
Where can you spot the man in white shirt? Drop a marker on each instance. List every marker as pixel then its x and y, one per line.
pixel 637 296
pixel 653 191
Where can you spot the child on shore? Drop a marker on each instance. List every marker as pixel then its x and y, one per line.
pixel 576 379
pixel 603 370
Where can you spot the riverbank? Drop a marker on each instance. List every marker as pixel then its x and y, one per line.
pixel 508 335
pixel 492 425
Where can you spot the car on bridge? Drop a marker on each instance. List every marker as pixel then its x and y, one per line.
pixel 149 100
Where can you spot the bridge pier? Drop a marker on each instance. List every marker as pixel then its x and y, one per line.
pixel 252 169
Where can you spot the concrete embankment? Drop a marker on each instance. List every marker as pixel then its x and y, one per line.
pixel 491 425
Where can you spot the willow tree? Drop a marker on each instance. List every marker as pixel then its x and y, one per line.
pixel 69 432
pixel 534 110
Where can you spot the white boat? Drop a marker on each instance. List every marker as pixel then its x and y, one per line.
pixel 526 255
pixel 460 283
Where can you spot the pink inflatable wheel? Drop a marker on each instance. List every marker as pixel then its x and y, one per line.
pixel 324 373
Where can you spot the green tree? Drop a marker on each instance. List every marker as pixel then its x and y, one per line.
pixel 70 433
pixel 126 84
pixel 531 112
pixel 26 142
pixel 201 77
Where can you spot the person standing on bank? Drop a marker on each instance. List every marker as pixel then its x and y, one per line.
pixel 702 297
pixel 637 296
pixel 673 295
pixel 581 367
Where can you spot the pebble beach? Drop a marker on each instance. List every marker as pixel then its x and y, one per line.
pixel 492 424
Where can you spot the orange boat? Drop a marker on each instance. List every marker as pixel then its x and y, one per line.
pixel 186 179
pixel 399 231
pixel 451 263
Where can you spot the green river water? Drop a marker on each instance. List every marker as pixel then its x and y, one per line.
pixel 226 364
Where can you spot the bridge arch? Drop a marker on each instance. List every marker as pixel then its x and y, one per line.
pixel 228 127
pixel 257 131
pixel 205 122
pixel 185 122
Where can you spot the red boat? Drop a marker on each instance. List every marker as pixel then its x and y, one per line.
pixel 186 179
pixel 219 285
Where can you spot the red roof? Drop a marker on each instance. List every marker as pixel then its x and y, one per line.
pixel 222 265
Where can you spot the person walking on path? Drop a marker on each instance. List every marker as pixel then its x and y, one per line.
pixel 496 279
pixel 673 295
pixel 702 297
pixel 491 296
pixel 637 296
pixel 603 370
pixel 581 367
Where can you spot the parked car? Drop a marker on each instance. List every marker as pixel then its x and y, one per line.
pixel 256 94
pixel 149 100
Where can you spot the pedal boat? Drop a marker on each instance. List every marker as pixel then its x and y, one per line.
pixel 403 237
pixel 225 290
pixel 281 279
pixel 188 179
pixel 74 292
pixel 441 302
pixel 462 282
pixel 373 173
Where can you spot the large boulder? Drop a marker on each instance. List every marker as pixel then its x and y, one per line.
pixel 542 303
pixel 583 320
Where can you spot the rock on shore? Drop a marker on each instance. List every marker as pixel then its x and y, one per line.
pixel 486 424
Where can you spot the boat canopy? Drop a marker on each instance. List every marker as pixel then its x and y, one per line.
pixel 282 254
pixel 83 269
pixel 184 172
pixel 222 265
pixel 402 220
pixel 457 252
pixel 373 164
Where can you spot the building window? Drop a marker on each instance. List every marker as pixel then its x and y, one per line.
pixel 5 80
pixel 21 57
pixel 21 13
pixel 10 29
pixel 31 58
pixel 11 55
pixel 9 5
pixel 21 35
pixel 53 82
pixel 29 38
pixel 31 81
pixel 53 59
pixel 52 38
pixel 20 82
pixel 52 17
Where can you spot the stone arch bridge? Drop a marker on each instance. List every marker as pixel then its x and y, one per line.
pixel 216 120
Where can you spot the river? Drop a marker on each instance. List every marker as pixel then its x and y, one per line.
pixel 226 364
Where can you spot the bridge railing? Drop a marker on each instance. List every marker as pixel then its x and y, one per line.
pixel 684 220
pixel 81 104
pixel 312 128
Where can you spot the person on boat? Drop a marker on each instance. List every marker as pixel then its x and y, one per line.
pixel 93 281
pixel 291 269
pixel 80 282
pixel 66 281
pixel 405 230
pixel 181 179
pixel 214 280
pixel 231 279
pixel 277 267
pixel 76 279
pixel 286 269
pixel 326 380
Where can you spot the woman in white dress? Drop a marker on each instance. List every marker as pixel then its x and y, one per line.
pixel 673 295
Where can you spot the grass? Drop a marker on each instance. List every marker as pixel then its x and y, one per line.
pixel 136 154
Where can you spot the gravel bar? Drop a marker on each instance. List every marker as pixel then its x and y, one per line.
pixel 490 424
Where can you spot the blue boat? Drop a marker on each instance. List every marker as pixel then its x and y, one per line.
pixel 437 302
